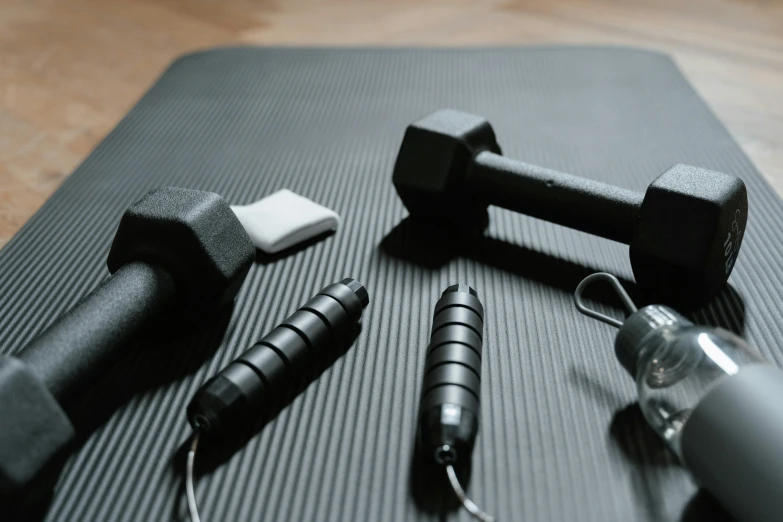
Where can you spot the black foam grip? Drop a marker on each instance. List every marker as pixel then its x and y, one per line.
pixel 346 298
pixel 456 353
pixel 289 345
pixel 250 384
pixel 465 299
pixel 456 334
pixel 457 315
pixel 453 365
pixel 335 317
pixel 275 367
pixel 276 361
pixel 311 328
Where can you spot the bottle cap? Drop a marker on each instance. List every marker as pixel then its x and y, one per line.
pixel 631 337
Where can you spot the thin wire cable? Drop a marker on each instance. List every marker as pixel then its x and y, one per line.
pixel 622 294
pixel 468 504
pixel 189 490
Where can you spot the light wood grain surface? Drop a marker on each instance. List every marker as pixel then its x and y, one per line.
pixel 70 70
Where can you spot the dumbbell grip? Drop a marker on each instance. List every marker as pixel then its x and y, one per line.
pixel 583 204
pixel 85 339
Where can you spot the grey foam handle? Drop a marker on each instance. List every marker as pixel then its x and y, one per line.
pixel 733 443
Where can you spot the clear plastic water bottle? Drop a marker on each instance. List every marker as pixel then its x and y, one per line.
pixel 712 398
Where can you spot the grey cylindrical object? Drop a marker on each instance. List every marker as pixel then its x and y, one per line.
pixel 733 443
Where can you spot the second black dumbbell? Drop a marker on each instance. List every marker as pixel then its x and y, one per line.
pixel 178 254
pixel 684 232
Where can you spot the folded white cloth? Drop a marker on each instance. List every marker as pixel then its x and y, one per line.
pixel 283 219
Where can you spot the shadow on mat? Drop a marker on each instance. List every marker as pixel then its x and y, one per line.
pixel 433 246
pixel 703 506
pixel 647 456
pixel 213 451
pixel 168 352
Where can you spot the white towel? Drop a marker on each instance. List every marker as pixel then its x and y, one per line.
pixel 283 219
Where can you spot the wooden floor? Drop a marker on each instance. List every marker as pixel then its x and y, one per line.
pixel 69 70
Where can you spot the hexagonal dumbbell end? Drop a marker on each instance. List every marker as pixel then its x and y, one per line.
pixel 35 428
pixel 432 164
pixel 194 235
pixel 688 233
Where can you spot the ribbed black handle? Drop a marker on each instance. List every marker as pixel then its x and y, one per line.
pixel 452 376
pixel 249 384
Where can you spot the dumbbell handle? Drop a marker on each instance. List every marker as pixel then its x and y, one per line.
pixel 84 340
pixel 583 204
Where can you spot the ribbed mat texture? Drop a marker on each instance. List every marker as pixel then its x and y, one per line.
pixel 560 439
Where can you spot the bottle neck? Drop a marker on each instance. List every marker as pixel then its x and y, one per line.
pixel 641 329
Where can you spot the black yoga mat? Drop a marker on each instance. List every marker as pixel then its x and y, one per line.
pixel 560 437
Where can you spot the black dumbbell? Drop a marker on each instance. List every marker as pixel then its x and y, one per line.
pixel 684 232
pixel 178 254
